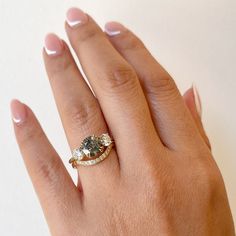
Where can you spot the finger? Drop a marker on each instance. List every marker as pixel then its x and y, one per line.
pixel 59 197
pixel 115 84
pixel 193 102
pixel 78 108
pixel 172 119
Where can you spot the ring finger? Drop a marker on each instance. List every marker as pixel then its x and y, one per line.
pixel 78 108
pixel 117 88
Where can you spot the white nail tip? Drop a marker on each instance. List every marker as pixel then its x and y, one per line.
pixel 16 120
pixel 73 23
pixel 197 100
pixel 50 52
pixel 112 33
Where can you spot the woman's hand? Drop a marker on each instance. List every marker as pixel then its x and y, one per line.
pixel 161 178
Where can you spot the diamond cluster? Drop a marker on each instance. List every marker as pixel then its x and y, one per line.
pixel 91 147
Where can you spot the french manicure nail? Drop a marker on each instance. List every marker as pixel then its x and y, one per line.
pixel 114 28
pixel 53 45
pixel 197 100
pixel 76 16
pixel 18 111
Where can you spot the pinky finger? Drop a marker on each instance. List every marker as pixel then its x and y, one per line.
pixel 56 191
pixel 192 101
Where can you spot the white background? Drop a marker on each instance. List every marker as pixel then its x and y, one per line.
pixel 193 40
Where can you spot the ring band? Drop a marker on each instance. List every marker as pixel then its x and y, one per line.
pixel 92 150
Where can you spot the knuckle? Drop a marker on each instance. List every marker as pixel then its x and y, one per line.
pixel 160 82
pixel 60 67
pixel 119 78
pixel 86 33
pixel 131 42
pixel 163 85
pixel 206 177
pixel 213 178
pixel 160 191
pixel 160 183
pixel 45 167
pixel 48 169
pixel 29 135
pixel 82 114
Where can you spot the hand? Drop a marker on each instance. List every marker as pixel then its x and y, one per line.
pixel 161 178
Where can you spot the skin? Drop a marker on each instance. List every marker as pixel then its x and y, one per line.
pixel 160 179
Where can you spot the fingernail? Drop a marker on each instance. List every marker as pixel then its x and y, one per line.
pixel 197 100
pixel 18 111
pixel 75 16
pixel 114 28
pixel 53 45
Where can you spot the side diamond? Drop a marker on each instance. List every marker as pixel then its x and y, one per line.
pixel 105 140
pixel 78 154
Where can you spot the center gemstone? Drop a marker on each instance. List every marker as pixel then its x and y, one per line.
pixel 91 146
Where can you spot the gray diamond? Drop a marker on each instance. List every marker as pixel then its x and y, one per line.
pixel 91 146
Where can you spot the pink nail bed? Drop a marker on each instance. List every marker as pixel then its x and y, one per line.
pixel 75 16
pixel 18 111
pixel 53 44
pixel 114 28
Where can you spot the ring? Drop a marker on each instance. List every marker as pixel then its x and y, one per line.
pixel 92 150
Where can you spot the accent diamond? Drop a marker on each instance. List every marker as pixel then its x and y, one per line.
pixel 78 154
pixel 105 140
